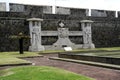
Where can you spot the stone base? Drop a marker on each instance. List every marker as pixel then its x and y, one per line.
pixel 92 45
pixel 35 49
pixel 86 46
pixel 61 42
pixel 59 47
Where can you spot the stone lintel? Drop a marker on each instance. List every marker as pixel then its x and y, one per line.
pixel 55 33
pixel 34 19
pixel 88 21
pixel 60 47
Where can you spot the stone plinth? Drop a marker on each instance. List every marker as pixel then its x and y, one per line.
pixel 63 38
pixel 87 34
pixel 35 34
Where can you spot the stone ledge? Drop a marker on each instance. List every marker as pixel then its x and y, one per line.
pixel 30 57
pixel 88 63
pixel 20 64
pixel 92 58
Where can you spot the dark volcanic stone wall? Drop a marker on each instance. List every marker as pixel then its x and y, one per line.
pixel 118 14
pixel 79 12
pixel 16 7
pixel 52 24
pixel 105 30
pixel 74 12
pixel 30 10
pixel 10 27
pixel 49 40
pixel 102 13
pixel 106 34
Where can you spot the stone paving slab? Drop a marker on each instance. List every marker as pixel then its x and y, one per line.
pixel 99 73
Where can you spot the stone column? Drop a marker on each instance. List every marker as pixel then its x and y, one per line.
pixel 35 34
pixel 87 34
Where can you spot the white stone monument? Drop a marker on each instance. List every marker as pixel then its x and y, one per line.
pixel 63 37
pixel 35 34
pixel 87 34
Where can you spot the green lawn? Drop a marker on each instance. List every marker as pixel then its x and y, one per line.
pixel 107 54
pixel 85 50
pixel 16 54
pixel 12 60
pixel 12 57
pixel 39 73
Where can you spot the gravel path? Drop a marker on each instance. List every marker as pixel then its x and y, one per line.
pixel 95 72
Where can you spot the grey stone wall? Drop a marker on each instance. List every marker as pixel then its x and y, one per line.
pixel 105 30
pixel 31 10
pixel 2 6
pixel 49 40
pixel 102 13
pixel 47 9
pixel 10 15
pixel 79 12
pixel 16 7
pixel 10 27
pixel 50 24
pixel 118 14
pixel 62 10
pixel 72 11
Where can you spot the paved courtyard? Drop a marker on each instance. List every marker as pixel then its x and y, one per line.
pixel 98 73
pixel 91 71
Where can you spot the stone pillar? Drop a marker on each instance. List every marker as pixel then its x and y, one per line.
pixel 87 34
pixel 35 34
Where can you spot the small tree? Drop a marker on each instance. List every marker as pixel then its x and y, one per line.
pixel 21 37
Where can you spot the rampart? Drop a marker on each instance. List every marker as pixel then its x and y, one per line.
pixel 105 29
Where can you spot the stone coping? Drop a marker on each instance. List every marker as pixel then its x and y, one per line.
pixel 20 64
pixel 111 66
pixel 100 59
pixel 30 57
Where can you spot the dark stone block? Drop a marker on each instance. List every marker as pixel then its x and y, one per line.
pixel 78 12
pixel 62 10
pixel 102 13
pixel 16 7
pixel 108 60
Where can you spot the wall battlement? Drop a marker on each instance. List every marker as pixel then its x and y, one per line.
pixel 15 7
pixel 105 29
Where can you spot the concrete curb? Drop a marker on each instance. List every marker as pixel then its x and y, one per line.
pixel 30 57
pixel 20 64
pixel 88 63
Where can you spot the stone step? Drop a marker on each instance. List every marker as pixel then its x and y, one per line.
pixel 111 66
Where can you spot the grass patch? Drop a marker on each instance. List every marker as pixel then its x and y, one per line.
pixel 39 73
pixel 109 49
pixel 12 60
pixel 106 54
pixel 11 57
pixel 16 54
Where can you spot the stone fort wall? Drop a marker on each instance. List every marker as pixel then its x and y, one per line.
pixel 105 29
